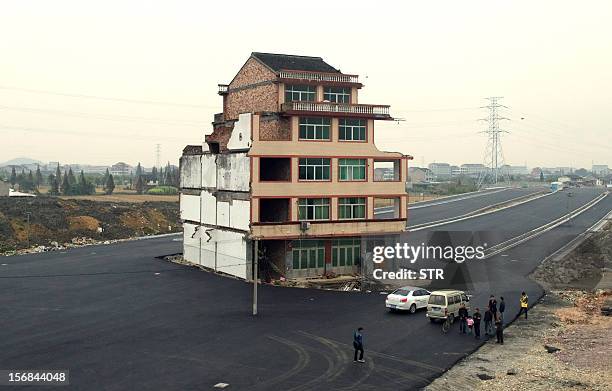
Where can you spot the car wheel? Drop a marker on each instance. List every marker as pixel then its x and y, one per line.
pixel 413 308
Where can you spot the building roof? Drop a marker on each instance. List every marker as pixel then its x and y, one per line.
pixel 276 62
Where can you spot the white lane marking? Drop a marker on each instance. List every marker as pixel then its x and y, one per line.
pixel 456 199
pixel 444 222
pixel 511 243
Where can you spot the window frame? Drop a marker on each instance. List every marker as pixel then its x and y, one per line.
pixel 352 130
pixel 322 127
pixel 313 208
pixel 289 90
pixel 351 168
pixel 336 251
pixel 348 95
pixel 322 165
pixel 352 206
pixel 318 249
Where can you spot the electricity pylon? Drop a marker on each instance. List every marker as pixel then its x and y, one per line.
pixel 494 157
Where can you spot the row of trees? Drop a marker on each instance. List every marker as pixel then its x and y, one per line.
pixel 67 184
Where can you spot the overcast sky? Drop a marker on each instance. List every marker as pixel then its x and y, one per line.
pixel 101 82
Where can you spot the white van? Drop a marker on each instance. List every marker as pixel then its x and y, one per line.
pixel 446 303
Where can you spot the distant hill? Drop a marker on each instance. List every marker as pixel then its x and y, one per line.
pixel 19 161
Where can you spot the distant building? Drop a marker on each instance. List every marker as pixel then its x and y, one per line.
pixel 600 169
pixel 420 175
pixel 440 171
pixel 4 189
pixel 473 170
pixel 121 169
pixel 516 170
pixel 455 171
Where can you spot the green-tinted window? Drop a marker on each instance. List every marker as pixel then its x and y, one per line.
pixel 346 252
pixel 308 254
pixel 352 129
pixel 352 208
pixel 352 169
pixel 300 93
pixel 337 94
pixel 313 209
pixel 314 169
pixel 315 128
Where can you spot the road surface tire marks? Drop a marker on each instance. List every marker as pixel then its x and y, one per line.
pixel 302 361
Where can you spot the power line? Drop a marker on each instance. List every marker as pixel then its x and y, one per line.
pixel 112 99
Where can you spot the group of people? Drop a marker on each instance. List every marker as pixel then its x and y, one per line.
pixel 468 324
pixel 494 315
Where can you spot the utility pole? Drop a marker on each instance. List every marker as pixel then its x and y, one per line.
pixel 494 157
pixel 255 267
pixel 28 235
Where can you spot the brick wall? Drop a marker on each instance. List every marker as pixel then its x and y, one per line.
pixel 262 96
pixel 274 128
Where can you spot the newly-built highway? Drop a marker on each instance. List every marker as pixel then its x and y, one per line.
pixel 119 318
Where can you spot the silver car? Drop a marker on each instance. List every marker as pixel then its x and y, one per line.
pixel 407 298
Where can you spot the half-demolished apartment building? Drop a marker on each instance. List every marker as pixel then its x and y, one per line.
pixel 290 167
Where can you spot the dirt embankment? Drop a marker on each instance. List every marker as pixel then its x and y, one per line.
pixel 46 221
pixel 566 342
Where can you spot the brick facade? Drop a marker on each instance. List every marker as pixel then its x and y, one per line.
pixel 274 128
pixel 251 100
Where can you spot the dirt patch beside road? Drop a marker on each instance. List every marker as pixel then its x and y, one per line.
pixel 51 222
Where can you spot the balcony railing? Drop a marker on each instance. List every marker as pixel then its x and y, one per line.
pixel 356 109
pixel 319 76
pixel 223 89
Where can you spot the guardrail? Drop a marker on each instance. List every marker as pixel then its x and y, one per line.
pixel 318 76
pixel 324 107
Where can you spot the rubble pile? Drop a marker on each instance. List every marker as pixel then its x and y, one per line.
pixel 42 224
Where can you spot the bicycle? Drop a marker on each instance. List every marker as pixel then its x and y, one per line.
pixel 447 324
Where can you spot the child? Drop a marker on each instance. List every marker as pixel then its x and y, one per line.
pixel 470 324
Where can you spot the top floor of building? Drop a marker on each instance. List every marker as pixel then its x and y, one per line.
pixel 295 86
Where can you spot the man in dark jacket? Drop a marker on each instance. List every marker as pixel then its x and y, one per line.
pixel 358 344
pixel 499 329
pixel 492 305
pixel 463 314
pixel 477 317
pixel 502 307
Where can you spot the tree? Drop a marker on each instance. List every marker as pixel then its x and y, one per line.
pixel 84 187
pixel 38 180
pixel 109 185
pixel 71 178
pixel 54 185
pixel 154 174
pixel 58 174
pixel 138 170
pixel 65 186
pixel 139 185
pixel 106 175
pixel 13 179
pixel 541 176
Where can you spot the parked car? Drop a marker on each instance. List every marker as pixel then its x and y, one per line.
pixel 407 298
pixel 445 303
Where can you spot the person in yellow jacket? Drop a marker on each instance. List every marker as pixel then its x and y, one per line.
pixel 524 304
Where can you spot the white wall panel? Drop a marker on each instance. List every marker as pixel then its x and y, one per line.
pixel 190 207
pixel 240 214
pixel 191 171
pixel 209 207
pixel 233 172
pixel 209 170
pixel 241 134
pixel 223 214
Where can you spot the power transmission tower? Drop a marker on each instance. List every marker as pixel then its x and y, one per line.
pixel 494 156
pixel 158 156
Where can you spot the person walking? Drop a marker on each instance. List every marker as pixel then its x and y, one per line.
pixel 488 319
pixel 502 307
pixel 524 304
pixel 499 329
pixel 358 344
pixel 463 314
pixel 477 316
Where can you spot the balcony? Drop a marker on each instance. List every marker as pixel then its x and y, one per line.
pixel 319 76
pixel 223 89
pixel 332 109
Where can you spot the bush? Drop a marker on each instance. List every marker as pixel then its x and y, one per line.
pixel 163 190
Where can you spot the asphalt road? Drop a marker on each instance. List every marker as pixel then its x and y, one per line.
pixel 120 319
pixel 444 209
